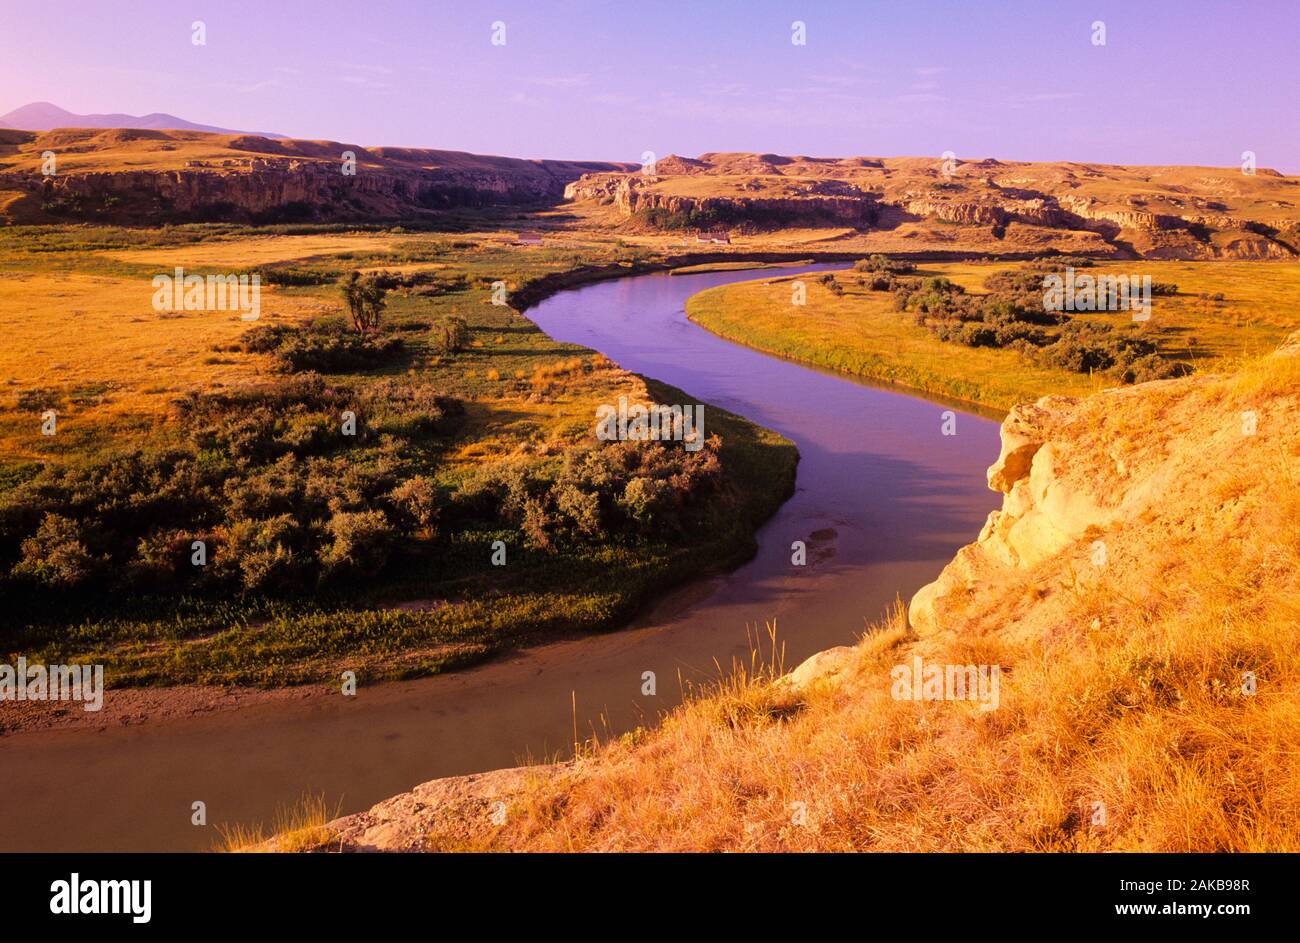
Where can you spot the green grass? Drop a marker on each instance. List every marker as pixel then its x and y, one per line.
pixel 731 267
pixel 521 390
pixel 859 332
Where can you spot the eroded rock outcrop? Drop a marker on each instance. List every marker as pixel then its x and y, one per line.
pixel 1155 212
pixel 442 814
pixel 188 176
pixel 1080 477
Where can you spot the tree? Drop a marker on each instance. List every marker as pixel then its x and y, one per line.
pixel 364 296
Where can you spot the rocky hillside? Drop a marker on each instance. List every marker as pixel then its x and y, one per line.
pixel 152 176
pixel 1138 592
pixel 1155 212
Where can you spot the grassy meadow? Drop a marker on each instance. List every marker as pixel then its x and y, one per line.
pixel 370 554
pixel 858 331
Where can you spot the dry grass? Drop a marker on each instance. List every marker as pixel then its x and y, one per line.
pixel 251 251
pixel 1127 719
pixel 1143 714
pixel 96 343
pixel 300 826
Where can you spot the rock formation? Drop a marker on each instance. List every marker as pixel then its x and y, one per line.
pixel 1071 488
pixel 188 176
pixel 1162 212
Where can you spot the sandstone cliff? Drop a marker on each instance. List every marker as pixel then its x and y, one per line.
pixel 143 176
pixel 1155 212
pixel 1076 483
pixel 150 176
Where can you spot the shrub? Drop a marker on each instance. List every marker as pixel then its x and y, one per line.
pixel 451 335
pixel 883 264
pixel 416 502
pixel 642 498
pixel 162 556
pixel 263 338
pixel 293 277
pixel 335 352
pixel 1012 316
pixel 297 350
pixel 263 555
pixel 57 555
pixel 364 297
pixel 592 494
pixel 405 407
pixel 1056 263
pixel 360 544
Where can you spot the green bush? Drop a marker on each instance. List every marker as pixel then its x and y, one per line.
pixel 264 476
pixel 884 265
pixel 451 335
pixel 592 492
pixel 416 502
pixel 264 556
pixel 359 544
pixel 1013 316
pixel 163 558
pixel 56 555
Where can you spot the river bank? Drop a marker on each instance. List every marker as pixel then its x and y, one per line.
pixel 1129 612
pixel 882 500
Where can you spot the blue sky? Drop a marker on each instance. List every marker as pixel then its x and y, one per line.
pixel 1177 82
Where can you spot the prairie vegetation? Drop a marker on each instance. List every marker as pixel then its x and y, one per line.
pixel 366 547
pixel 971 331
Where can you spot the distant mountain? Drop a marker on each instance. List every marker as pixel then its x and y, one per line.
pixel 44 116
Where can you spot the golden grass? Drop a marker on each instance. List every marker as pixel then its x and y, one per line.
pixel 82 326
pixel 1133 735
pixel 96 341
pixel 250 251
pixel 1153 705
pixel 859 332
pixel 299 826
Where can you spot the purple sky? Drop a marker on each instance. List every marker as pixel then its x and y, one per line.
pixel 1181 82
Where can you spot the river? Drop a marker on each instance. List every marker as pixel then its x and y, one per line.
pixel 883 499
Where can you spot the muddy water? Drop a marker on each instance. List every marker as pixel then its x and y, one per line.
pixel 883 500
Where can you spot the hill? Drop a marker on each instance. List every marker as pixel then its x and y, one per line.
pixel 153 176
pixel 46 116
pixel 889 204
pixel 1152 212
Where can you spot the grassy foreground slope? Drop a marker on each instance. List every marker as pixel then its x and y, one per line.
pixel 1223 312
pixel 370 553
pixel 1147 702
